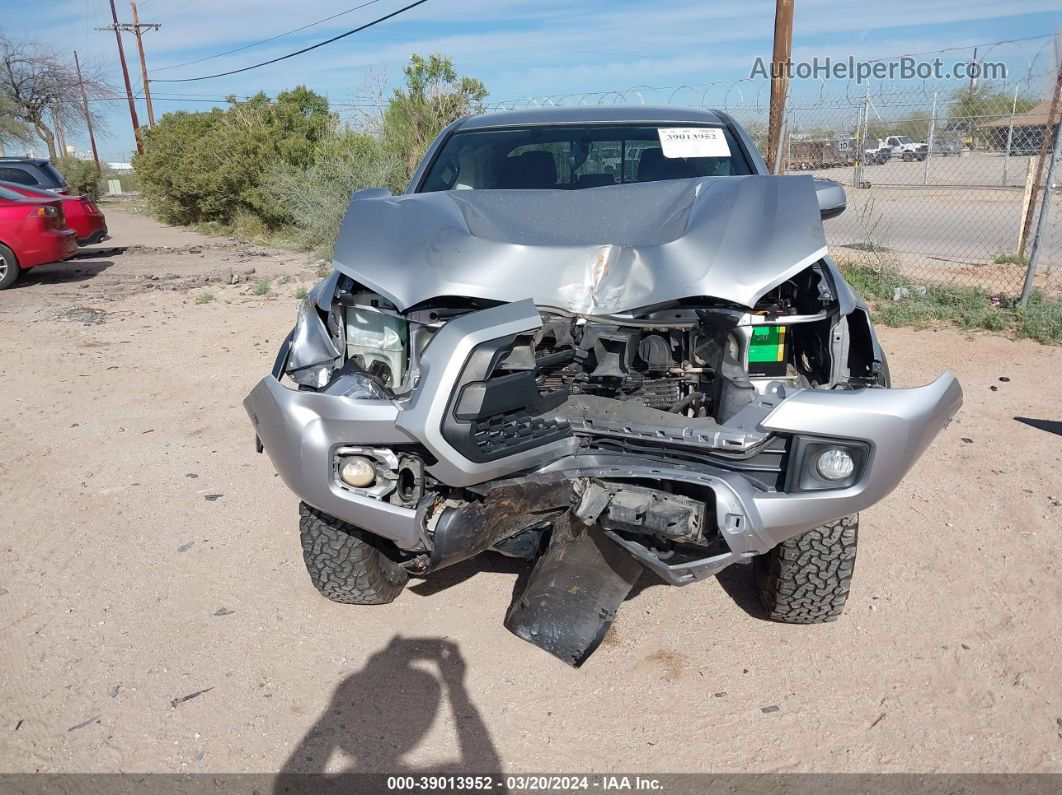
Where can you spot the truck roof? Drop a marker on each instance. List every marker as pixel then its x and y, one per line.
pixel 591 114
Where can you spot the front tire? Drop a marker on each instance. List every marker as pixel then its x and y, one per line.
pixel 806 579
pixel 345 563
pixel 9 269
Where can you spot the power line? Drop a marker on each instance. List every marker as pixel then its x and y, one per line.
pixel 212 100
pixel 266 41
pixel 298 52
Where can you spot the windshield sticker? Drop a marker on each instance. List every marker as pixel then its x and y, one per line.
pixel 693 142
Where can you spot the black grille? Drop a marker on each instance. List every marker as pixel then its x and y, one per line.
pixel 765 467
pixel 504 432
pixel 496 407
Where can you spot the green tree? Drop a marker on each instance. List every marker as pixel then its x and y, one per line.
pixel 173 176
pixel 288 162
pixel 317 195
pixel 434 96
pixel 971 106
pixel 209 166
pixel 79 174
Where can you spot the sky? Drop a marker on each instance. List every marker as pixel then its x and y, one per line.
pixel 518 48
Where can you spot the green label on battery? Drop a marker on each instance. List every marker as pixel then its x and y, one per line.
pixel 768 344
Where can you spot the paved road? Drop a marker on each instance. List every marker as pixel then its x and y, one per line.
pixel 971 169
pixel 953 221
pixel 958 224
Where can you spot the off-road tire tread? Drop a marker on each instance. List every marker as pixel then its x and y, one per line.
pixel 345 563
pixel 806 579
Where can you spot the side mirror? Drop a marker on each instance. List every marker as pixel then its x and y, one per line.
pixel 371 193
pixel 832 200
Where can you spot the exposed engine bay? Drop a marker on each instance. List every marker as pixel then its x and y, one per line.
pixel 684 384
pixel 698 358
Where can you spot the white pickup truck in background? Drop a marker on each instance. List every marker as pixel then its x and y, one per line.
pixel 906 149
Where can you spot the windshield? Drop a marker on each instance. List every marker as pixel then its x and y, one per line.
pixel 582 156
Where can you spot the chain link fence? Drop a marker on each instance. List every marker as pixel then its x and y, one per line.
pixel 944 180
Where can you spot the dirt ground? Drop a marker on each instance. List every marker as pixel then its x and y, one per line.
pixel 155 614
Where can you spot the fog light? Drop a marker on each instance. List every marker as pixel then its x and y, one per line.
pixel 835 464
pixel 357 472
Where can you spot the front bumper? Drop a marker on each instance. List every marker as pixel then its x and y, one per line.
pixel 301 431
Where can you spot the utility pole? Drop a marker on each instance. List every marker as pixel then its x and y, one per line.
pixel 973 72
pixel 125 75
pixel 135 29
pixel 88 116
pixel 783 50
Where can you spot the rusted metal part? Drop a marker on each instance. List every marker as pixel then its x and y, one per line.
pixel 503 511
pixel 574 592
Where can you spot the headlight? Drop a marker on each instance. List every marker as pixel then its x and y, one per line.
pixel 835 464
pixel 358 330
pixel 356 385
pixel 376 339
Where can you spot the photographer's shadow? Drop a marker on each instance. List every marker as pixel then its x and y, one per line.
pixel 379 715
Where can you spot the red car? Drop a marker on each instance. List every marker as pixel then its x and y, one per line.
pixel 82 214
pixel 32 232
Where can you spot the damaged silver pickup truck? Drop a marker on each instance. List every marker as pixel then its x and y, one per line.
pixel 602 339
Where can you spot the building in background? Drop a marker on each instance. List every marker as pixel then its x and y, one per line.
pixel 1029 128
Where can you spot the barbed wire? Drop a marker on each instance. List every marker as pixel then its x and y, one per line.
pixel 753 94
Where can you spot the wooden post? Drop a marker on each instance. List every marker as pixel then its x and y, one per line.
pixel 1026 203
pixel 780 59
pixel 125 75
pixel 88 116
pixel 143 62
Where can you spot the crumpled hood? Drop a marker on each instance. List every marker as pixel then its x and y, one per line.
pixel 593 251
